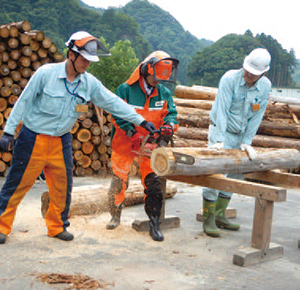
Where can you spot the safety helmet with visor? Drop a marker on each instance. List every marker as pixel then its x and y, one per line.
pixel 87 46
pixel 257 62
pixel 164 69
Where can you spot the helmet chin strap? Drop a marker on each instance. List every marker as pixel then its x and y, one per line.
pixel 73 61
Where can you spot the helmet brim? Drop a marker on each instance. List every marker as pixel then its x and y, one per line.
pixel 89 57
pixel 252 70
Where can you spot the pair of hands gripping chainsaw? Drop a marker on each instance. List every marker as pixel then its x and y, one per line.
pixel 244 147
pixel 145 145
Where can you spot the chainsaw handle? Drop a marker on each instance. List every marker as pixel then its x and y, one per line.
pixel 154 132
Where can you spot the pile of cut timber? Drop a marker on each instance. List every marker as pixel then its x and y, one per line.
pixel 92 142
pixel 280 127
pixel 22 52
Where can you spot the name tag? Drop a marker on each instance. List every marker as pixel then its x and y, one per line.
pixel 159 103
pixel 82 108
pixel 255 107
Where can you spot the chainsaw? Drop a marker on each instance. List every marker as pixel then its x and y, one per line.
pixel 152 141
pixel 156 139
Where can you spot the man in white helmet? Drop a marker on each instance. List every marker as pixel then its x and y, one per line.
pixel 235 117
pixel 49 106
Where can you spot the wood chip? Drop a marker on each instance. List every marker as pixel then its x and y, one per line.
pixel 77 281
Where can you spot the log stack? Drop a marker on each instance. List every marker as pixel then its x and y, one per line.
pixel 92 142
pixel 22 52
pixel 280 127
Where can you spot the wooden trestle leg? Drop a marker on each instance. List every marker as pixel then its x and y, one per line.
pixel 165 222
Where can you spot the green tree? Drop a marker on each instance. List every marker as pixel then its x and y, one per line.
pixel 207 66
pixel 165 33
pixel 117 68
pixel 282 63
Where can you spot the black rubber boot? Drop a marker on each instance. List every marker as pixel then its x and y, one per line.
pixel 2 238
pixel 65 236
pixel 154 230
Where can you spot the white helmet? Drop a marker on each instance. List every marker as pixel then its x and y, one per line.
pixel 86 45
pixel 257 62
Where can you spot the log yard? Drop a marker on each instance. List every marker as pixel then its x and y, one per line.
pixel 264 253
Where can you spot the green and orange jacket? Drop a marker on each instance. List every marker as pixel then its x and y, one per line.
pixel 158 108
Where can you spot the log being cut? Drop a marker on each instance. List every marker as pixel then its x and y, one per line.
pixel 204 161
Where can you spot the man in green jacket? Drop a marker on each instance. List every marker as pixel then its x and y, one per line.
pixel 154 102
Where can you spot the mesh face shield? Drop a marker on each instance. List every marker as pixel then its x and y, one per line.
pixel 94 47
pixel 90 48
pixel 164 69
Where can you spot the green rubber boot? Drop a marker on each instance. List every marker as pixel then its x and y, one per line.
pixel 209 225
pixel 221 220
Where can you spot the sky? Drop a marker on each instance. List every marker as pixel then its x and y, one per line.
pixel 213 19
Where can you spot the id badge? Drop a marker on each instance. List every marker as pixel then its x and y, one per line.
pixel 82 108
pixel 255 107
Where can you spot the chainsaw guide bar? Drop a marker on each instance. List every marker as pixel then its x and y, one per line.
pixel 183 158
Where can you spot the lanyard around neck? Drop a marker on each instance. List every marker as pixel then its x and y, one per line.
pixel 73 93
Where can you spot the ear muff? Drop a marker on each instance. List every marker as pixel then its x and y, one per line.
pixel 72 43
pixel 146 68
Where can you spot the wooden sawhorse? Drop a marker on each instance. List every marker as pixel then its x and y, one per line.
pixel 261 248
pixel 165 222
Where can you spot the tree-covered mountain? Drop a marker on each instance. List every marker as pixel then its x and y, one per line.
pixel 165 33
pixel 145 25
pixel 207 66
pixel 59 19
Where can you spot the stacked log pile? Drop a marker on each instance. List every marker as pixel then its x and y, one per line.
pixel 280 127
pixel 22 52
pixel 92 142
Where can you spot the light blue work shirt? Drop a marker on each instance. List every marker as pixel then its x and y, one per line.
pixel 238 110
pixel 49 103
pixel 235 116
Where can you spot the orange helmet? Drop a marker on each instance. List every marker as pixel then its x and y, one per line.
pixel 158 64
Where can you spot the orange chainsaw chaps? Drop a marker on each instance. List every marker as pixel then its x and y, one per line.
pixel 121 165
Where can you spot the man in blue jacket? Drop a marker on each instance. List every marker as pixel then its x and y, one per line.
pixel 50 104
pixel 235 117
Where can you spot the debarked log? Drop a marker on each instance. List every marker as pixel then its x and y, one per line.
pixel 93 199
pixel 266 127
pixel 196 92
pixel 258 141
pixel 205 161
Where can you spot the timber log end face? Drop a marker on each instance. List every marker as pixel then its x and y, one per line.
pixel 161 163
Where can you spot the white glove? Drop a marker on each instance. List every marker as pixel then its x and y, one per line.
pixel 250 151
pixel 217 146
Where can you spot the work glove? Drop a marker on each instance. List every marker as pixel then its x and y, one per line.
pixel 166 130
pixel 217 146
pixel 250 151
pixel 7 142
pixel 136 141
pixel 148 126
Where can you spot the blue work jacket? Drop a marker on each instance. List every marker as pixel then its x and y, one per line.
pixel 50 104
pixel 238 110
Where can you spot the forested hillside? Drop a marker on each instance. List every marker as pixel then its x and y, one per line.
pixel 207 66
pixel 59 19
pixel 164 32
